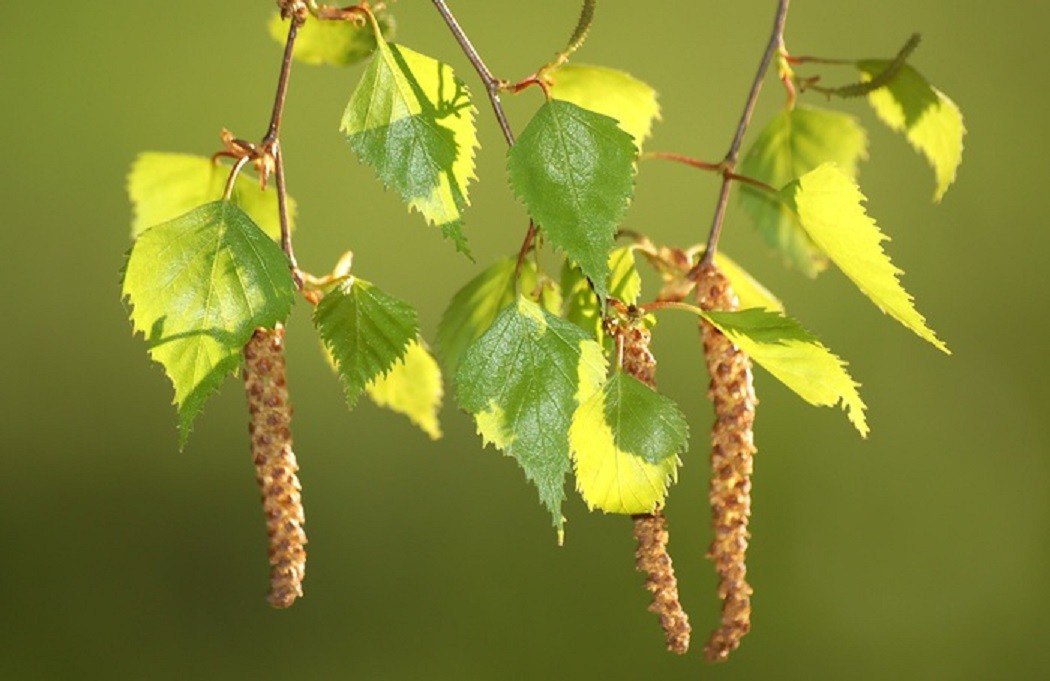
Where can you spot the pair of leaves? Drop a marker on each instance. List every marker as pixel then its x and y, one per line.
pixel 164 186
pixel 199 286
pixel 412 120
pixel 335 43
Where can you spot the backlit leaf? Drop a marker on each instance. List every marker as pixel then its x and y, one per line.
pixel 830 208
pixel 625 285
pixel 610 92
pixel 412 387
pixel 794 143
pixel 199 286
pixel 336 43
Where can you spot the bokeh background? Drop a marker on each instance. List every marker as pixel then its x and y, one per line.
pixel 921 553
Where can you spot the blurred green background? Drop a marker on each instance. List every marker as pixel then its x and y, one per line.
pixel 921 553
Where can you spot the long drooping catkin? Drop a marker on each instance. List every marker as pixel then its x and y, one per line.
pixel 275 465
pixel 650 530
pixel 732 462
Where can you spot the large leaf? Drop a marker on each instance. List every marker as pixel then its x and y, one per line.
pixel 625 441
pixel 781 346
pixel 794 143
pixel 931 121
pixel 411 119
pixel 199 286
pixel 522 380
pixel 366 331
pixel 475 306
pixel 412 387
pixel 336 43
pixel 574 170
pixel 164 186
pixel 830 208
pixel 582 308
pixel 610 92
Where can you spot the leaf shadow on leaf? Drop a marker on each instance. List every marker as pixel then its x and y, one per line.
pixel 918 102
pixel 156 337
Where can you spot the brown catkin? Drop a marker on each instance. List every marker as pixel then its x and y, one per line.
pixel 732 462
pixel 650 530
pixel 275 465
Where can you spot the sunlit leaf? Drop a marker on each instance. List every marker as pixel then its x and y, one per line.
pixel 610 92
pixel 412 387
pixel 336 43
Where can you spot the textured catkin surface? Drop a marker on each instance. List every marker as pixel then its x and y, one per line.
pixel 732 463
pixel 650 530
pixel 275 465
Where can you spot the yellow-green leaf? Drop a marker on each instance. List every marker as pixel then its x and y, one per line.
pixel 625 285
pixel 795 142
pixel 164 186
pixel 336 43
pixel 830 208
pixel 412 387
pixel 610 92
pixel 625 443
pixel 749 290
pixel 795 357
pixel 930 120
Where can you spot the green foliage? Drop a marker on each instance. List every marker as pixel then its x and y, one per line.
pixel 749 290
pixel 335 43
pixel 475 306
pixel 164 186
pixel 931 121
pixel 625 441
pixel 794 143
pixel 574 170
pixel 411 119
pixel 522 380
pixel 609 92
pixel 199 286
pixel 582 307
pixel 783 348
pixel 830 208
pixel 366 331
pixel 412 387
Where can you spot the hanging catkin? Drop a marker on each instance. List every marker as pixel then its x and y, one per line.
pixel 732 462
pixel 650 530
pixel 275 465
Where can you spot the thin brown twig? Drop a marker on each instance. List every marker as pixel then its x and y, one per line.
pixel 776 41
pixel 493 86
pixel 706 165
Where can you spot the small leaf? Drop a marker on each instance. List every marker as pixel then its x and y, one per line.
pixel 199 286
pixel 165 186
pixel 830 208
pixel 625 441
pixel 609 92
pixel 748 290
pixel 336 43
pixel 625 285
pixel 411 119
pixel 574 170
pixel 931 121
pixel 523 380
pixel 475 306
pixel 794 143
pixel 366 331
pixel 795 357
pixel 412 387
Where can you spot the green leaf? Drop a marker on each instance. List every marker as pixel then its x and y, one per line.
pixel 523 380
pixel 411 119
pixel 931 121
pixel 336 43
pixel 795 357
pixel 609 92
pixel 794 143
pixel 412 387
pixel 625 285
pixel 625 441
pixel 574 170
pixel 164 186
pixel 748 290
pixel 366 331
pixel 475 306
pixel 830 208
pixel 199 286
